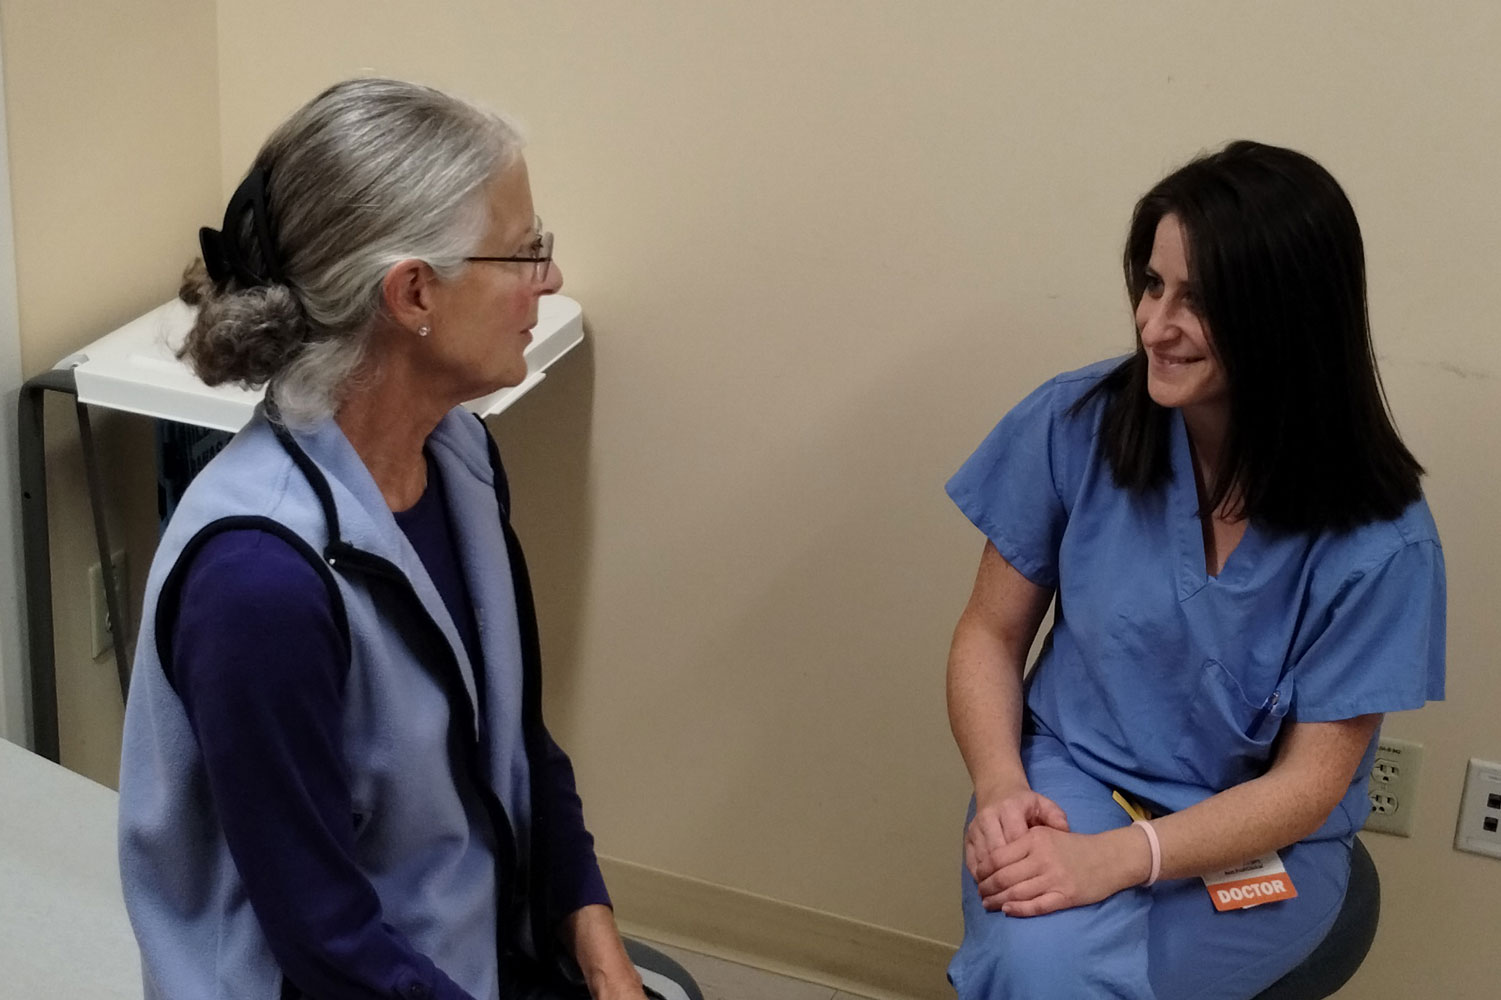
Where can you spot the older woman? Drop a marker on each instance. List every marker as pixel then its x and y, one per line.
pixel 336 780
pixel 1247 578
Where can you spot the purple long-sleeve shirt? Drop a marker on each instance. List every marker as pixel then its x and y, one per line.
pixel 260 664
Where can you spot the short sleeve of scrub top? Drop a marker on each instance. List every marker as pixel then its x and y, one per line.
pixel 1014 485
pixel 1380 647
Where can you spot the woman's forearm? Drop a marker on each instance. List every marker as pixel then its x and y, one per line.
pixel 984 680
pixel 985 708
pixel 1238 824
pixel 1311 774
pixel 596 945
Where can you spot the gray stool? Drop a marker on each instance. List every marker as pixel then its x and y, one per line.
pixel 1337 957
pixel 663 978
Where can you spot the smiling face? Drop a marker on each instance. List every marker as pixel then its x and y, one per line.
pixel 1183 370
pixel 482 318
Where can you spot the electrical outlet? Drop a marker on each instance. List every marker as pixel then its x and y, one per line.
pixel 1480 810
pixel 101 640
pixel 1393 786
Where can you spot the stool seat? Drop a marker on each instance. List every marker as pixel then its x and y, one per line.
pixel 662 977
pixel 1337 957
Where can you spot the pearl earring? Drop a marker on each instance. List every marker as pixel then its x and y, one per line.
pixel 424 330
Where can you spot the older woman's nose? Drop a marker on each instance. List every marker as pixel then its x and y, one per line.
pixel 554 280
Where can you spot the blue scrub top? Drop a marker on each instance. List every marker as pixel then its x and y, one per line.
pixel 1166 682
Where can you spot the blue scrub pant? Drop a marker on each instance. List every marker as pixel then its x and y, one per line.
pixel 1162 943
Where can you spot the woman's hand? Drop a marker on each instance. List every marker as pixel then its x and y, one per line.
pixel 1002 819
pixel 601 955
pixel 1048 869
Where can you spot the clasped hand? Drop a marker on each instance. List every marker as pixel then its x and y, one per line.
pixel 1026 862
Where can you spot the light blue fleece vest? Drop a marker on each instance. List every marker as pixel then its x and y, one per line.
pixel 434 868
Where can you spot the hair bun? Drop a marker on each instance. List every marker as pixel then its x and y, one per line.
pixel 242 336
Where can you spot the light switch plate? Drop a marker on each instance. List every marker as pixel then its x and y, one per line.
pixel 1479 829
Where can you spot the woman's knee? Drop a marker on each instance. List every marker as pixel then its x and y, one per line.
pixel 1083 952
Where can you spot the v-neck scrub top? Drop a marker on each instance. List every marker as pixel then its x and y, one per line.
pixel 1168 683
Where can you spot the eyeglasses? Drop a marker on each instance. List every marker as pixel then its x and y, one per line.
pixel 540 257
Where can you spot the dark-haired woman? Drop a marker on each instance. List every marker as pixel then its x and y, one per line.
pixel 335 780
pixel 1246 578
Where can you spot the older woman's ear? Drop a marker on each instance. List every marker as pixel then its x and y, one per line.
pixel 407 293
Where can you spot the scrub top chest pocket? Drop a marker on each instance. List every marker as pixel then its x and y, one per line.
pixel 1229 732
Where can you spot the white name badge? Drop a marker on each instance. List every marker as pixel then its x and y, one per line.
pixel 1260 880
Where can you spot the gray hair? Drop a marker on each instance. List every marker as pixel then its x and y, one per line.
pixel 369 173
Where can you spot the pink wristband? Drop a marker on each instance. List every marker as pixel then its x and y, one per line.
pixel 1147 829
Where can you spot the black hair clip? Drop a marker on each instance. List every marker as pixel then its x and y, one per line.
pixel 221 248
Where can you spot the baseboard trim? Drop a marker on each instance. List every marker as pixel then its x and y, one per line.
pixel 782 937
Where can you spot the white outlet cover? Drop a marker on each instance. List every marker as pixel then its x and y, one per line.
pixel 1482 781
pixel 1394 777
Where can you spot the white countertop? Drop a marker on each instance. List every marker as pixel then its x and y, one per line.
pixel 63 929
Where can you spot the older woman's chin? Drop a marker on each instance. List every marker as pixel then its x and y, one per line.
pixel 513 375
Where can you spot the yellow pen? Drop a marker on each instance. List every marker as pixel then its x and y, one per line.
pixel 1134 810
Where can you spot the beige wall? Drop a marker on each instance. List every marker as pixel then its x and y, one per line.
pixel 822 247
pixel 112 109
